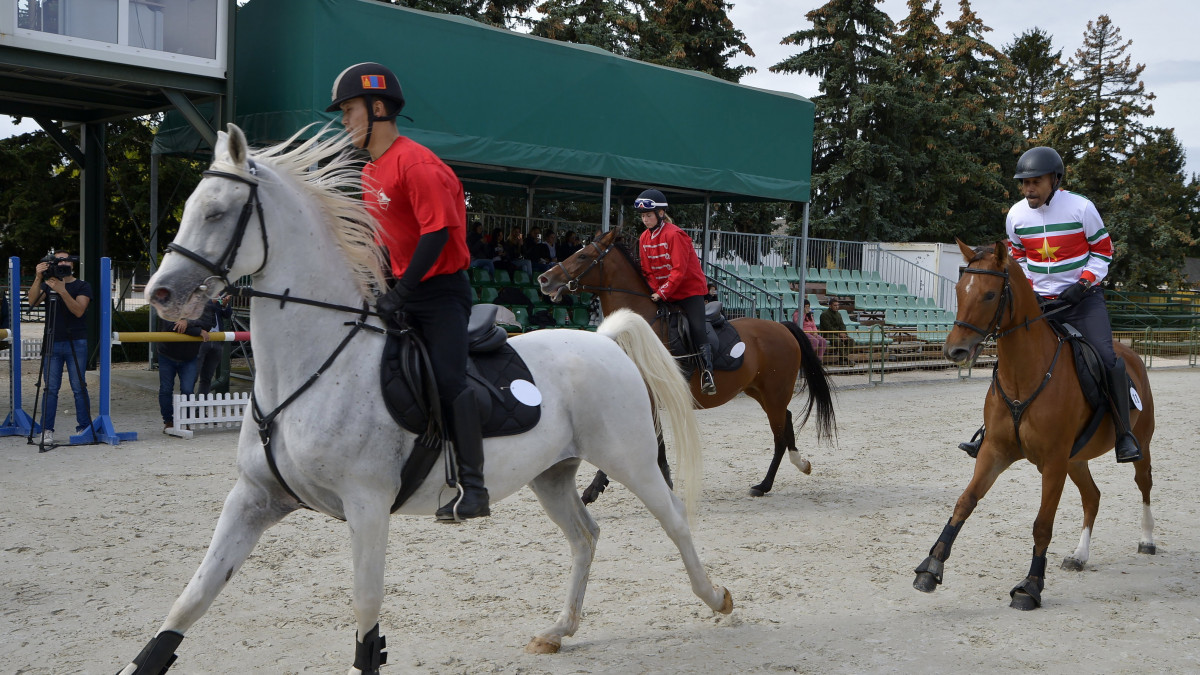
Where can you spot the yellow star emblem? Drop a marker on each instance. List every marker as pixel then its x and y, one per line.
pixel 1048 251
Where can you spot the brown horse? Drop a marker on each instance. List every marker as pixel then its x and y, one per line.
pixel 1035 409
pixel 776 353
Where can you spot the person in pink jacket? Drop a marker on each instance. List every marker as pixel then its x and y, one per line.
pixel 671 267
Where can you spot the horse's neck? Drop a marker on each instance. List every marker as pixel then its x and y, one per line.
pixel 1024 355
pixel 291 340
pixel 622 274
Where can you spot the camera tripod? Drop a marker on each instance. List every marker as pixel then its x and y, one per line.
pixel 75 374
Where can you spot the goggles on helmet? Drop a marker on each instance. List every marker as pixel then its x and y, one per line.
pixel 648 204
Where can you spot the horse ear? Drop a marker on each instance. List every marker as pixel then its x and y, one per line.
pixel 967 251
pixel 237 145
pixel 1001 252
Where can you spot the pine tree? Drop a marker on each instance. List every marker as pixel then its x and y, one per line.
pixel 695 35
pixel 856 159
pixel 1038 68
pixel 608 24
pixel 499 13
pixel 981 141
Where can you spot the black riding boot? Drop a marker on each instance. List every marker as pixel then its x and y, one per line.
pixel 707 385
pixel 1128 449
pixel 972 446
pixel 468 446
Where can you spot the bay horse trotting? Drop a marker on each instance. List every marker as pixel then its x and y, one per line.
pixel 776 352
pixel 1035 409
pixel 329 443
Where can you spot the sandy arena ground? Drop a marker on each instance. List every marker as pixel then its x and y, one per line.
pixel 98 541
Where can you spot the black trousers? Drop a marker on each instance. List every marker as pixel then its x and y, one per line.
pixel 439 308
pixel 693 309
pixel 1090 317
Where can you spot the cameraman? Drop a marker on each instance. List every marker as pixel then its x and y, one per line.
pixel 56 274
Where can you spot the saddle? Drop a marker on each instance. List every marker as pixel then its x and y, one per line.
pixel 508 401
pixel 728 349
pixel 1092 375
pixel 505 395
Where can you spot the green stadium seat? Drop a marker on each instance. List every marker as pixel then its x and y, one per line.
pixel 856 275
pixel 480 276
pixel 488 294
pixel 814 303
pixel 561 316
pixel 521 278
pixel 502 278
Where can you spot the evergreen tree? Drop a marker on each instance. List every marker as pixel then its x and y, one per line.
pixel 609 24
pixel 499 13
pixel 857 161
pixel 983 146
pixel 694 35
pixel 1152 214
pixel 1038 69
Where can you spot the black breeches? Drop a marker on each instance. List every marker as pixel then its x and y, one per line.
pixel 439 309
pixel 1090 317
pixel 693 309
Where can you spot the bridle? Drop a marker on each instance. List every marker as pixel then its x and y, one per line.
pixel 993 326
pixel 573 284
pixel 223 264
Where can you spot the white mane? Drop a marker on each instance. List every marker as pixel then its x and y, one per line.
pixel 326 167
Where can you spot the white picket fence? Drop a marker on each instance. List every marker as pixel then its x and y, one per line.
pixel 31 348
pixel 208 411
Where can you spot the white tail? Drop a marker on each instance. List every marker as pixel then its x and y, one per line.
pixel 668 391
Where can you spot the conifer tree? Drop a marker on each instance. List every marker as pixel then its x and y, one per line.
pixel 608 24
pixel 1038 69
pixel 499 13
pixel 695 35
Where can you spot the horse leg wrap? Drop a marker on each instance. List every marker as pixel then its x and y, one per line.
pixel 1035 582
pixel 368 652
pixel 947 537
pixel 933 566
pixel 158 654
pixel 1037 570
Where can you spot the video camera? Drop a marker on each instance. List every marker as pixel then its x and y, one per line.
pixel 57 269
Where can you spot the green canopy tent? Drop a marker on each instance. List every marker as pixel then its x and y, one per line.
pixel 517 114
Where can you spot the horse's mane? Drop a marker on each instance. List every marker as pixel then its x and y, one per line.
pixel 326 167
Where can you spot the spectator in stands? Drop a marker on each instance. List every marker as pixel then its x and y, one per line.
pixel 513 256
pixel 531 241
pixel 711 295
pixel 177 360
pixel 218 316
pixel 1064 249
pixel 68 333
pixel 482 252
pixel 546 253
pixel 570 245
pixel 834 330
pixel 671 267
pixel 809 325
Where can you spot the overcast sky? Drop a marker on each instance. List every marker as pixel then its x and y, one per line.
pixel 1164 35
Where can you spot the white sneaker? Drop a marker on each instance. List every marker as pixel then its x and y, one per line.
pixel 48 437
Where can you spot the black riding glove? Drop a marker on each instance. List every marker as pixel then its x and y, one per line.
pixel 1074 293
pixel 389 304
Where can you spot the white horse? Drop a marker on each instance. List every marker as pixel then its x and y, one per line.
pixel 334 446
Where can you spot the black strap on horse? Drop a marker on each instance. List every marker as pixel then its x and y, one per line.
pixel 253 205
pixel 1017 408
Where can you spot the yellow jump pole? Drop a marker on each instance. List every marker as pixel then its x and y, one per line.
pixel 167 336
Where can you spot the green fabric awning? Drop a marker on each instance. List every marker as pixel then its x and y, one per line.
pixel 510 111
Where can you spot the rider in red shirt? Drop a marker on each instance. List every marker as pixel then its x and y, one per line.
pixel 669 263
pixel 421 210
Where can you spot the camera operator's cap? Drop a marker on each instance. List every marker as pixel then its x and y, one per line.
pixel 366 79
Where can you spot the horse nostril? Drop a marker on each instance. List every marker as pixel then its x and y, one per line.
pixel 162 295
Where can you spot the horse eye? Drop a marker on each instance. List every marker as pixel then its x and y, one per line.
pixel 215 215
pixel 990 295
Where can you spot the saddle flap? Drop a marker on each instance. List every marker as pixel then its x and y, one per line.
pixel 712 313
pixel 483 335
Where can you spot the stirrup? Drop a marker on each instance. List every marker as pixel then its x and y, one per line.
pixel 972 446
pixel 707 385
pixel 450 512
pixel 1135 456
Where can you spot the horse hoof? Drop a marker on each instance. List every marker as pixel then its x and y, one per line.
pixel 1148 549
pixel 589 496
pixel 1023 601
pixel 541 645
pixel 925 582
pixel 1072 564
pixel 727 605
pixel 757 491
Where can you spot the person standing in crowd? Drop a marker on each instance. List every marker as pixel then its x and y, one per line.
pixel 68 333
pixel 1061 244
pixel 218 316
pixel 178 360
pixel 671 267
pixel 421 209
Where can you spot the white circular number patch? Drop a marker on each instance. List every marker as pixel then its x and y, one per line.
pixel 738 350
pixel 1137 400
pixel 526 392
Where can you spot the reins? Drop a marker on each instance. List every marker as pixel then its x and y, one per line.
pixel 1016 408
pixel 574 286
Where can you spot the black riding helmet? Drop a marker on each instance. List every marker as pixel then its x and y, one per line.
pixel 650 200
pixel 370 81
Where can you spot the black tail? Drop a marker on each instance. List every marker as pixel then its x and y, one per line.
pixel 817 383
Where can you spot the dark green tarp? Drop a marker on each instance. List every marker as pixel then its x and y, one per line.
pixel 509 110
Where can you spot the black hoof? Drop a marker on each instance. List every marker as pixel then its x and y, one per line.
pixel 590 495
pixel 1023 601
pixel 1072 564
pixel 758 490
pixel 925 582
pixel 1148 549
